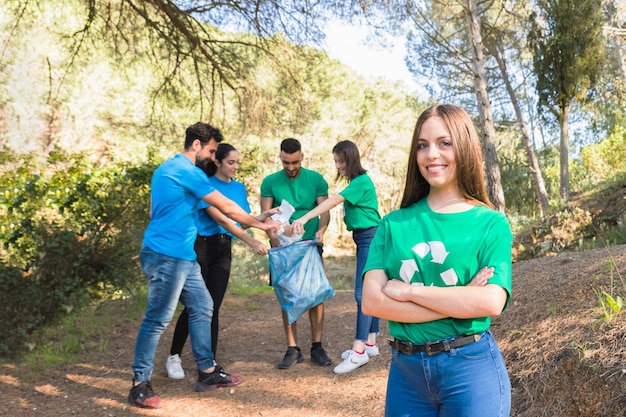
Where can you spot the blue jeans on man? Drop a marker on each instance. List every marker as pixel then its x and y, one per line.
pixel 170 280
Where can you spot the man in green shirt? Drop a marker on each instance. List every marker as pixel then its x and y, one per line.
pixel 304 189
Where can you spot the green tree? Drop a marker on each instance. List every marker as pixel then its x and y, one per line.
pixel 607 111
pixel 182 37
pixel 492 168
pixel 447 48
pixel 568 51
pixel 503 38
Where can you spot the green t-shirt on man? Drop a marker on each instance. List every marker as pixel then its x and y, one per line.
pixel 301 192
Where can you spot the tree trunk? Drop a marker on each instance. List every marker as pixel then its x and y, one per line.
pixel 492 169
pixel 622 58
pixel 618 32
pixel 540 187
pixel 564 150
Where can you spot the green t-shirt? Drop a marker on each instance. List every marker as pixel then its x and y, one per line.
pixel 301 192
pixel 361 205
pixel 421 247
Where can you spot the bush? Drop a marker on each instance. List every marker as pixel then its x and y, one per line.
pixel 71 234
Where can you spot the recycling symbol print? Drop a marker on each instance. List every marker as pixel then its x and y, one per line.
pixel 438 253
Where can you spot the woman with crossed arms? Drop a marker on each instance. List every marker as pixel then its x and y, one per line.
pixel 438 268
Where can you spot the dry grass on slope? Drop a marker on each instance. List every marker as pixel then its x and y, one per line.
pixel 564 359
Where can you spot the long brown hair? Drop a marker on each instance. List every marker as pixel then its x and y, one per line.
pixel 349 153
pixel 467 153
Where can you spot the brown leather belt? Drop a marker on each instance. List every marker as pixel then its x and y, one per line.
pixel 433 348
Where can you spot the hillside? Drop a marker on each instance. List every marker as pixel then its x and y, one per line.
pixel 595 218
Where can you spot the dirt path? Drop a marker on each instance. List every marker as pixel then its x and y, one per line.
pixel 251 344
pixel 563 361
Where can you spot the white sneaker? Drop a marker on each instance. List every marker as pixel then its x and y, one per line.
pixel 351 361
pixel 174 367
pixel 372 350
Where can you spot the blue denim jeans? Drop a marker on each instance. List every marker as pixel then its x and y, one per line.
pixel 364 324
pixel 171 279
pixel 470 381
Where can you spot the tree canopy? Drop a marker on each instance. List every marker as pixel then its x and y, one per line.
pixel 568 49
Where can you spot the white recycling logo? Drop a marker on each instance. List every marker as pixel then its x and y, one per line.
pixel 438 253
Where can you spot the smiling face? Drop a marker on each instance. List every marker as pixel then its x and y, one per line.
pixel 292 163
pixel 435 155
pixel 228 166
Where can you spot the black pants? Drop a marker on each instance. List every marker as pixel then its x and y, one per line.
pixel 215 257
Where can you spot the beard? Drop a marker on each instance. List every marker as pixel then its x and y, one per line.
pixel 207 165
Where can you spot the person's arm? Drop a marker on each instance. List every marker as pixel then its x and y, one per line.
pixel 239 233
pixel 377 289
pixel 378 304
pixel 266 204
pixel 323 208
pixel 463 302
pixel 265 215
pixel 324 220
pixel 231 209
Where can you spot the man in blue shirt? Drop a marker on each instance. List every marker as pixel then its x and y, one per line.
pixel 169 262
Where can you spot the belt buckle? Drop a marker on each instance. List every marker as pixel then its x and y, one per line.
pixel 443 346
pixel 402 347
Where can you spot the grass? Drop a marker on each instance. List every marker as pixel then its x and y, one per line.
pixel 611 302
pixel 79 331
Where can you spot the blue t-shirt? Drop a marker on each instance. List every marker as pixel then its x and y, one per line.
pixel 177 186
pixel 234 190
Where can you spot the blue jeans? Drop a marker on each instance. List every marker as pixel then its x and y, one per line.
pixel 470 381
pixel 171 279
pixel 364 324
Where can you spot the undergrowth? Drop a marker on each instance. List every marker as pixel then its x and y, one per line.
pixel 611 300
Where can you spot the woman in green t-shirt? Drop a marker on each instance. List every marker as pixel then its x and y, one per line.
pixel 439 267
pixel 361 216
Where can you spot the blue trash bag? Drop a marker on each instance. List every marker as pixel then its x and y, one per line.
pixel 298 278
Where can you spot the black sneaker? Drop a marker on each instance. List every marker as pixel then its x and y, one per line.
pixel 292 356
pixel 142 395
pixel 319 357
pixel 216 379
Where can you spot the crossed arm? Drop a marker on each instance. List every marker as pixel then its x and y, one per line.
pixel 397 301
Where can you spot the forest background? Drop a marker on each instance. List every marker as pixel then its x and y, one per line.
pixel 95 94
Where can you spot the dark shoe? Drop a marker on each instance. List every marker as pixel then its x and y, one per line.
pixel 292 356
pixel 142 395
pixel 216 379
pixel 319 357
